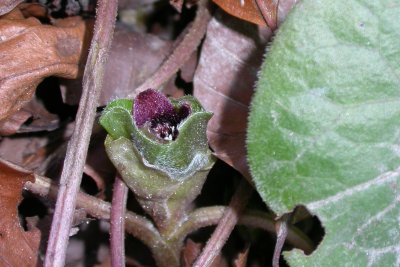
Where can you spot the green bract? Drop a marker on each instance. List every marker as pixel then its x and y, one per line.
pixel 165 175
pixel 179 159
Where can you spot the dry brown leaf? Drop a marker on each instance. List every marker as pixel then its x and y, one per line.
pixel 133 58
pixel 17 247
pixel 13 123
pixel 248 11
pixel 224 81
pixel 40 119
pixel 190 252
pixel 241 258
pixel 33 10
pixel 8 5
pixel 177 4
pixel 32 51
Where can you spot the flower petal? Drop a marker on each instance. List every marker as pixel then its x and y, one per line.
pixel 151 105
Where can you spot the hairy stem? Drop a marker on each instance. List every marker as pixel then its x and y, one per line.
pixel 182 51
pixel 203 217
pixel 117 221
pixel 138 226
pixel 144 230
pixel 77 149
pixel 225 225
pixel 281 235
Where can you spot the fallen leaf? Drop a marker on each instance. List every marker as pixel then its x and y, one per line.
pixel 224 80
pixel 33 10
pixel 32 51
pixel 244 9
pixel 190 252
pixel 40 119
pixel 133 58
pixel 17 247
pixel 249 11
pixel 8 5
pixel 241 258
pixel 13 123
pixel 177 4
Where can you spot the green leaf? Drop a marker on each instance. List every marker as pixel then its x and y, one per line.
pixel 324 128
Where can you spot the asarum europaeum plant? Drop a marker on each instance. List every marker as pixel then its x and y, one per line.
pixel 159 146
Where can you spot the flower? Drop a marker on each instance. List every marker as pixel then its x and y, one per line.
pixel 154 110
pixel 169 134
pixel 160 148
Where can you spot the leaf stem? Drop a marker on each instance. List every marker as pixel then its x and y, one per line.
pixel 207 216
pixel 182 51
pixel 77 149
pixel 117 221
pixel 282 232
pixel 225 225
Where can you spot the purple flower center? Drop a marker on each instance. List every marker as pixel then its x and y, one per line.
pixel 155 110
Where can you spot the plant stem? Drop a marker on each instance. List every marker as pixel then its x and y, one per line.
pixel 138 226
pixel 144 230
pixel 203 217
pixel 181 53
pixel 225 225
pixel 282 232
pixel 77 149
pixel 117 221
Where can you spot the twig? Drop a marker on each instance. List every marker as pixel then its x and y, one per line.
pixel 138 226
pixel 181 53
pixel 77 149
pixel 117 220
pixel 225 225
pixel 282 232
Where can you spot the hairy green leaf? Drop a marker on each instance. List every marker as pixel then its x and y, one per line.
pixel 324 128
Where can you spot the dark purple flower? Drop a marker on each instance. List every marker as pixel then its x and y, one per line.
pixel 154 110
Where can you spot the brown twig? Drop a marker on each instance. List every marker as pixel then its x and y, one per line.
pixel 225 225
pixel 78 145
pixel 117 221
pixel 181 53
